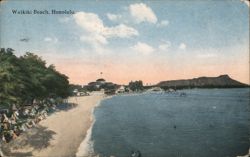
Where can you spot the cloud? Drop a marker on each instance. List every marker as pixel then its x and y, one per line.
pixel 114 17
pixel 90 22
pixel 98 32
pixel 164 46
pixel 142 13
pixel 143 48
pixel 51 40
pixel 247 2
pixel 47 39
pixel 163 23
pixel 182 46
pixel 137 13
pixel 94 39
pixel 121 31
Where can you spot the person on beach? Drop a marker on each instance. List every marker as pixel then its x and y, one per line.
pixel 1 153
pixel 5 119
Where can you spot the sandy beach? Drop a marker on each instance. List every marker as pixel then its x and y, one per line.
pixel 60 134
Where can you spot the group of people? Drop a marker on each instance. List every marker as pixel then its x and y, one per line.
pixel 15 120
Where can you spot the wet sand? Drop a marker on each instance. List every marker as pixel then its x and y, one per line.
pixel 60 134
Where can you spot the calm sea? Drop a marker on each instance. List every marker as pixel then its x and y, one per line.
pixel 204 123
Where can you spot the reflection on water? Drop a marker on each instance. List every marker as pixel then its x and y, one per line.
pixel 204 123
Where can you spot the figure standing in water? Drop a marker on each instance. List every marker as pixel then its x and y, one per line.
pixel 136 154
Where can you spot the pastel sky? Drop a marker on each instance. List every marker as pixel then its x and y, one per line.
pixel 133 40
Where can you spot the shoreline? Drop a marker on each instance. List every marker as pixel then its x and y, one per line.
pixel 60 134
pixel 86 149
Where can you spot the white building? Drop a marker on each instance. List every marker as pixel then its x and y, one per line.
pixel 121 89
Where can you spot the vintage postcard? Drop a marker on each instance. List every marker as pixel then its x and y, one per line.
pixel 124 78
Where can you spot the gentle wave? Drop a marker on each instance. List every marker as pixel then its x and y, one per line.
pixel 86 147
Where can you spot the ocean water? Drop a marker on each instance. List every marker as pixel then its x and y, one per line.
pixel 204 123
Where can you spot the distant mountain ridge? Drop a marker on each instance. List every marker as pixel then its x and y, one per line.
pixel 222 81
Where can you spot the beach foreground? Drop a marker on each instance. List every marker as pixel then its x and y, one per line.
pixel 60 134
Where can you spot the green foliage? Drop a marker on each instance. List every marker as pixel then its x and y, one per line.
pixel 12 81
pixel 25 78
pixel 136 85
pixel 91 88
pixel 109 88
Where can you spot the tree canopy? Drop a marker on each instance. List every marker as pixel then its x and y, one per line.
pixel 136 85
pixel 25 78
